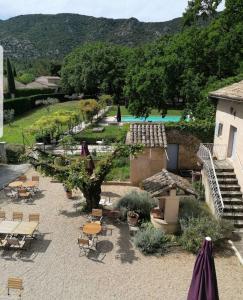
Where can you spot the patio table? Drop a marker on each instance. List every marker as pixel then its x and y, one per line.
pixel 92 228
pixel 29 184
pixel 15 184
pixel 26 228
pixel 7 227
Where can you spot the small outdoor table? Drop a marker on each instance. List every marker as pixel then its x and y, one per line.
pixel 15 184
pixel 26 228
pixel 29 184
pixel 92 228
pixel 7 227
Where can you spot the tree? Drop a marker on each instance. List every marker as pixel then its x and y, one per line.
pixel 89 108
pixel 118 115
pixel 11 82
pixel 75 173
pixel 94 69
pixel 199 8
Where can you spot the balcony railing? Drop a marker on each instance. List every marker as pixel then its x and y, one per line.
pixel 206 153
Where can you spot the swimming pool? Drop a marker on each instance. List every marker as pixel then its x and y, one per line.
pixel 131 119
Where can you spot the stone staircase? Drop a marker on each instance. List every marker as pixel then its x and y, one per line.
pixel 231 193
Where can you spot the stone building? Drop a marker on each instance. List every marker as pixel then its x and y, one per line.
pixel 154 158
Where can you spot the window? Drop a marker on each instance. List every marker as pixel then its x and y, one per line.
pixel 220 129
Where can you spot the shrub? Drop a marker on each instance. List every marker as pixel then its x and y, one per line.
pixel 32 92
pixel 150 240
pixel 200 190
pixel 14 153
pixel 25 104
pixel 26 78
pixel 141 203
pixel 190 207
pixel 196 229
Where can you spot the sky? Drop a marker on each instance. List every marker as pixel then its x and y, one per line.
pixel 143 10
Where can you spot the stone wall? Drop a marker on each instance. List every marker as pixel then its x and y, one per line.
pixel 188 147
pixel 150 162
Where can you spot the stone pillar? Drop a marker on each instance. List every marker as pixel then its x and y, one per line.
pixel 3 156
pixel 171 208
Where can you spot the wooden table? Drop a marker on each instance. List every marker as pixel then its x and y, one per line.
pixel 92 228
pixel 29 184
pixel 15 184
pixel 7 227
pixel 26 228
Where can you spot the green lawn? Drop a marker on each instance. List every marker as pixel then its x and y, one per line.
pixel 155 112
pixel 13 133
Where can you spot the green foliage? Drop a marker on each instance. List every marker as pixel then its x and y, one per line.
pixel 111 134
pixel 150 240
pixel 200 190
pixel 47 103
pixel 120 170
pixel 141 203
pixel 26 78
pixel 8 116
pixel 32 92
pixel 24 104
pixel 11 82
pixel 196 229
pixel 89 108
pixel 202 129
pixel 192 208
pixel 105 100
pixel 14 153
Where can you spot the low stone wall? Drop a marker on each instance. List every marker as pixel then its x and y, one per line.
pixel 188 147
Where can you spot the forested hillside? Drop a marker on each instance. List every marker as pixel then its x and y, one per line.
pixel 53 36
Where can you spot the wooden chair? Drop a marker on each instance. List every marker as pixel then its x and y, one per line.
pixel 23 193
pixel 22 178
pixel 18 216
pixel 34 217
pixel 9 192
pixel 2 215
pixel 36 178
pixel 97 215
pixel 86 245
pixel 16 284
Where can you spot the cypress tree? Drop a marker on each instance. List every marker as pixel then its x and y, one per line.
pixel 11 82
pixel 14 72
pixel 118 116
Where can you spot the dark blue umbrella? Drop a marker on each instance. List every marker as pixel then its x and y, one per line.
pixel 204 281
pixel 85 152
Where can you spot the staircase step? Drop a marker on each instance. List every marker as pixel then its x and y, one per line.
pixel 223 180
pixel 225 174
pixel 233 207
pixel 221 170
pixel 238 223
pixel 233 194
pixel 233 215
pixel 229 187
pixel 233 201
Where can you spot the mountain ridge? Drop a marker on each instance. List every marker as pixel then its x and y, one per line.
pixel 53 36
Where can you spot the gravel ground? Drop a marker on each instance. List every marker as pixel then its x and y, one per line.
pixel 53 269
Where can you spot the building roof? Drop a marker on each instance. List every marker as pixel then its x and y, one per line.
pixel 232 92
pixel 164 181
pixel 149 135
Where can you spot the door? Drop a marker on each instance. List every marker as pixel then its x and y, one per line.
pixel 232 141
pixel 172 162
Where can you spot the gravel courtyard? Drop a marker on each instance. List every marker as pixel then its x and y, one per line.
pixel 53 269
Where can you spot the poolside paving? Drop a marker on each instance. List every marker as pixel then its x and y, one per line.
pixel 11 172
pixel 53 269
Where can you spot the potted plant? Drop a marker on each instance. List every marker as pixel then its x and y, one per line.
pixel 132 218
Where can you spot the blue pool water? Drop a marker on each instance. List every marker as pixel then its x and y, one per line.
pixel 131 119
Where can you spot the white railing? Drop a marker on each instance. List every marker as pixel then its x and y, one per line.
pixel 206 153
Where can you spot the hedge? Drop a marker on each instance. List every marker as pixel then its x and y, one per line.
pixel 23 104
pixel 32 92
pixel 201 129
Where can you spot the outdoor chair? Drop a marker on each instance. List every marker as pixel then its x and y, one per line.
pixel 106 230
pixel 18 216
pixel 13 242
pixel 86 245
pixel 36 179
pixel 22 178
pixel 9 192
pixel 2 215
pixel 16 284
pixel 23 193
pixel 34 217
pixel 97 215
pixel 3 242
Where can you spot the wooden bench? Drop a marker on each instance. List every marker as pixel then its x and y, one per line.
pixel 16 284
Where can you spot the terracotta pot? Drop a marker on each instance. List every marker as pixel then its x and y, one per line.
pixel 132 220
pixel 69 194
